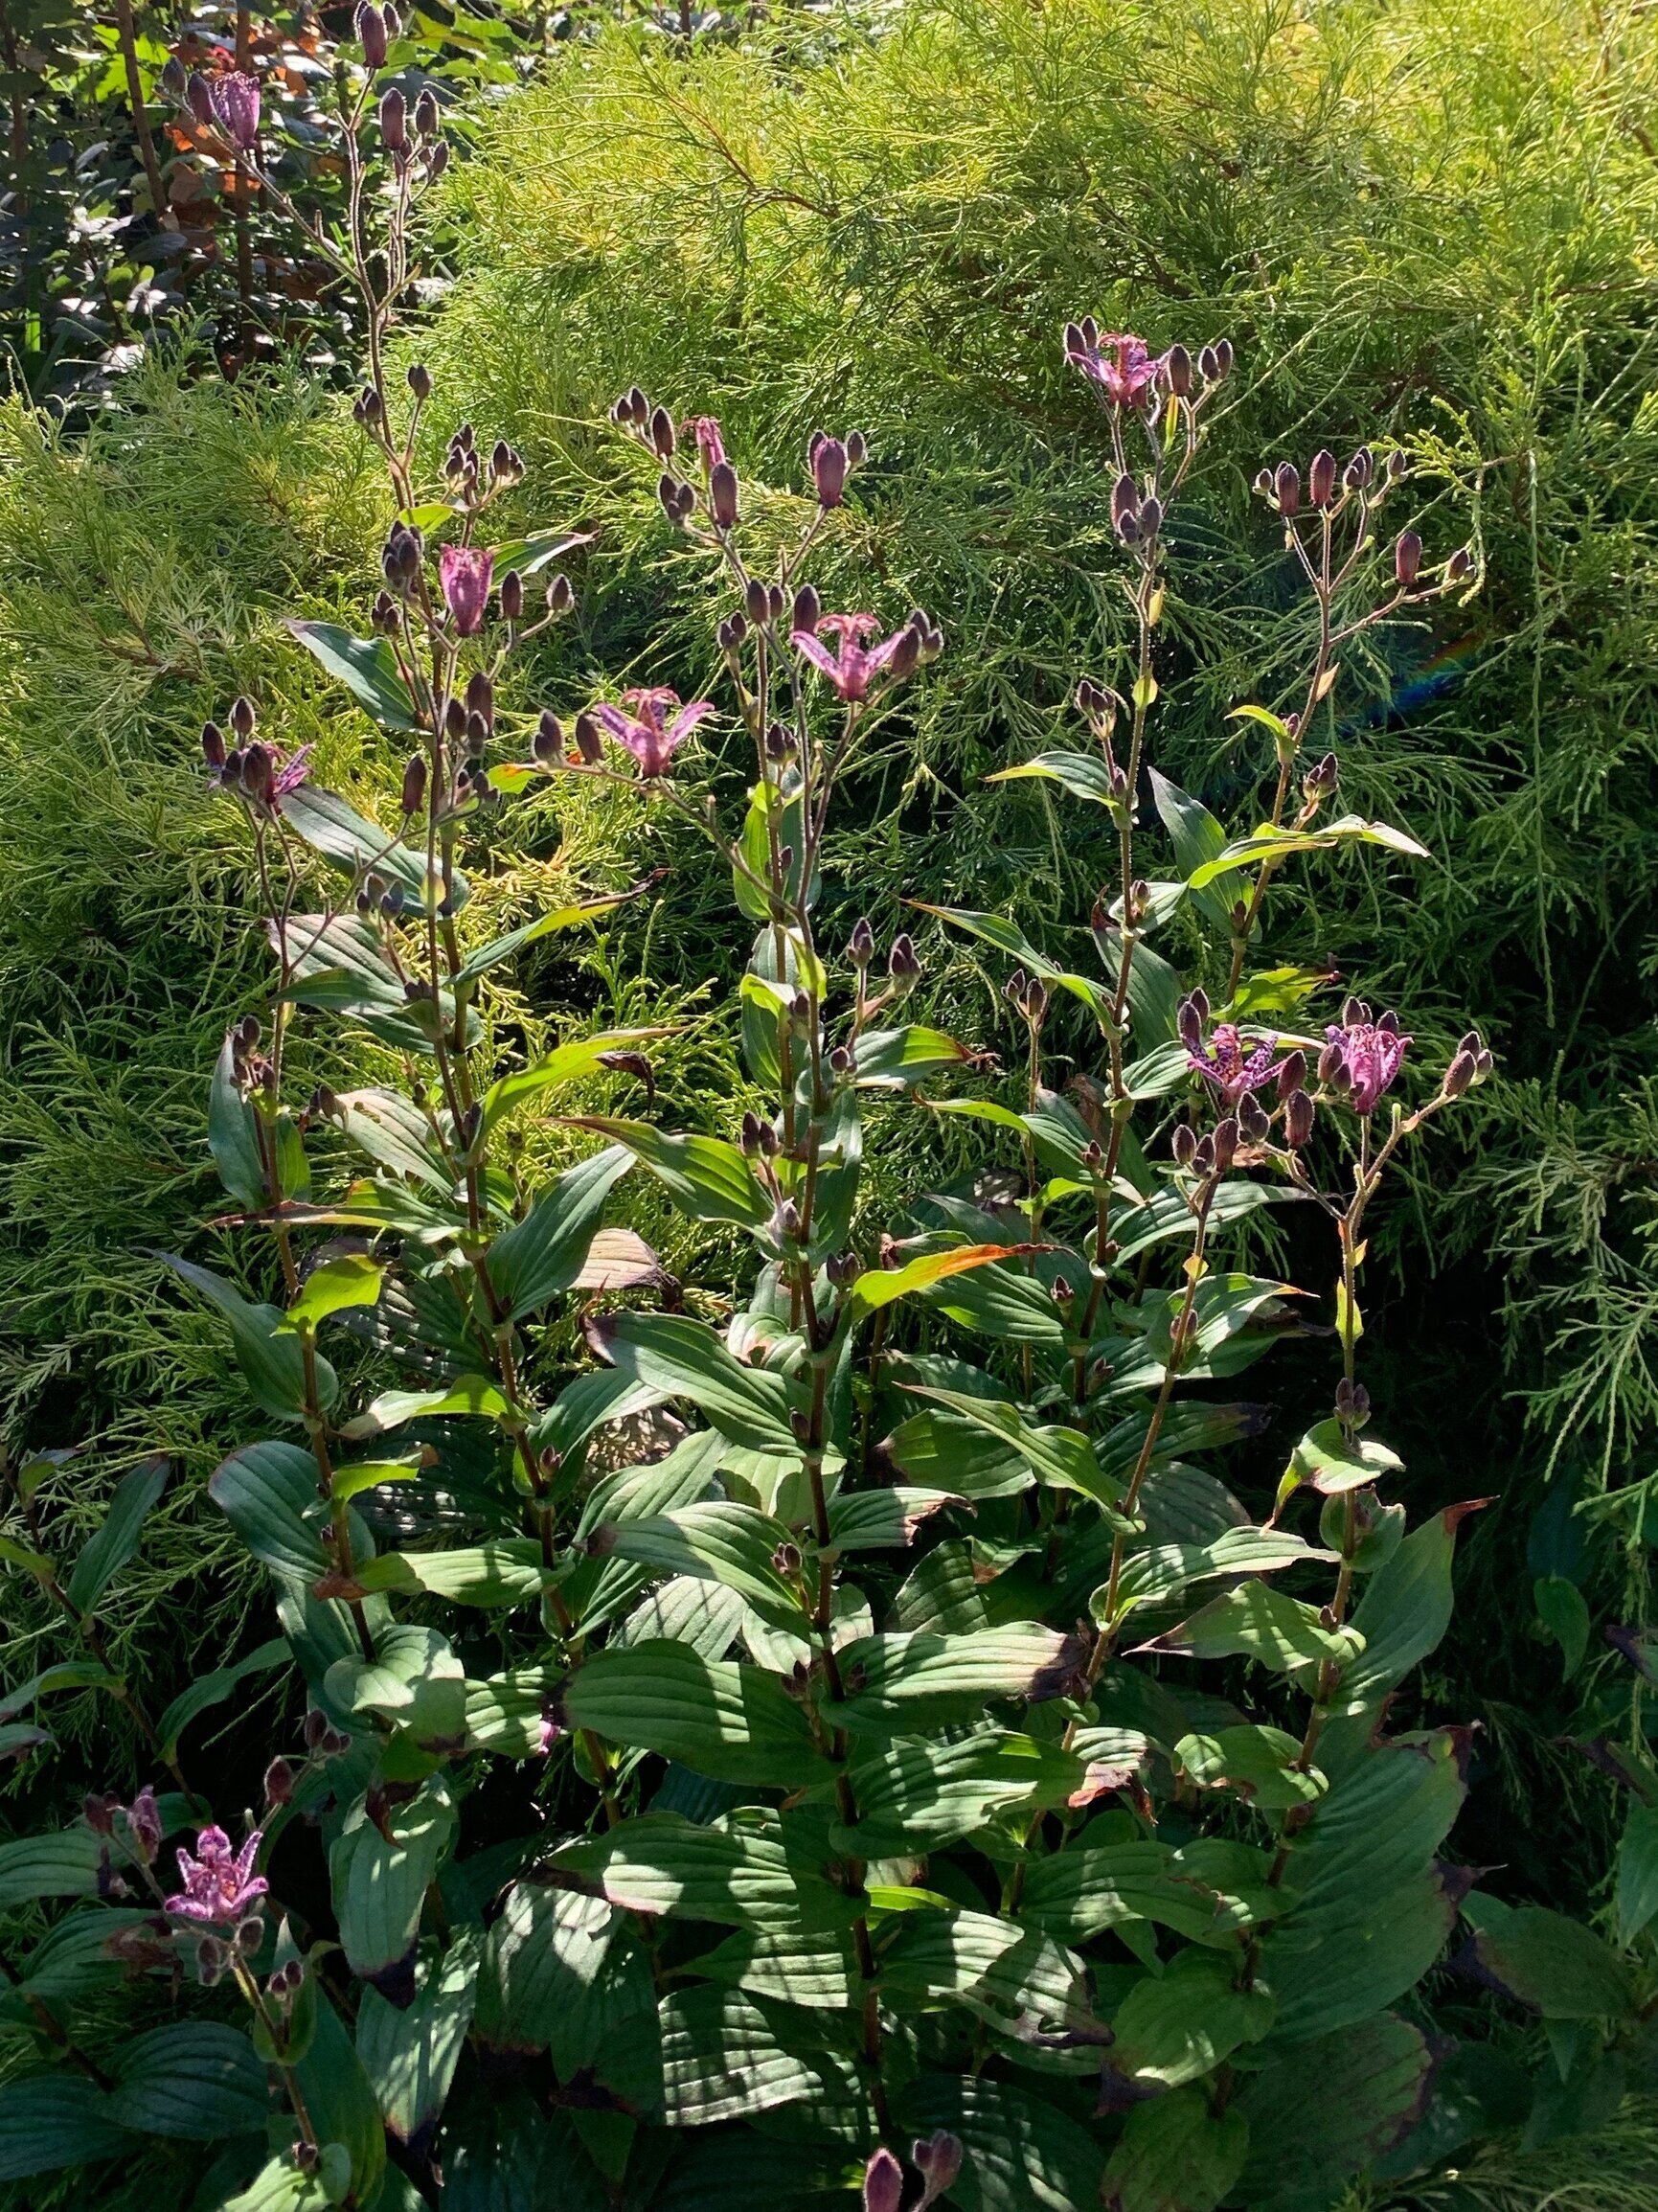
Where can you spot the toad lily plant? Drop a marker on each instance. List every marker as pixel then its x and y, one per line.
pixel 851 1748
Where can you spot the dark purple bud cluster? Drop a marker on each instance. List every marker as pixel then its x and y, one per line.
pixel 831 461
pixel 377 28
pixel 400 558
pixel 1470 1063
pixel 904 968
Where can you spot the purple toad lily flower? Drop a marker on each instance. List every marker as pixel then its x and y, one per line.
pixel 219 1885
pixel 234 98
pixel 465 572
pixel 1363 1057
pixel 705 429
pixel 852 670
pixel 1221 1060
pixel 646 732
pixel 1118 362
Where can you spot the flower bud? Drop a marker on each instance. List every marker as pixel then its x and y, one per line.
pixel 1460 565
pixel 426 116
pixel 394 120
pixel 415 783
pixel 212 745
pixel 1207 367
pixel 1332 1067
pixel 1298 1112
pixel 1184 1142
pixel 1396 465
pixel 278 1782
pixel 512 595
pixel 547 743
pixel 1262 483
pixel 1194 1013
pixel 662 441
pixel 748 1136
pixel 1150 518
pixel 372 34
pixel 827 459
pixel 198 97
pixel 1459 1077
pixel 1223 356
pixel 211 1959
pixel 1320 477
pixel 842 1269
pixel 419 381
pixel 1225 1142
pixel 806 611
pixel 1177 369
pixel 481 696
pixel 437 160
pixel 1287 485
pixel 477 732
pixel 1253 1121
pixel 757 601
pixel 561 595
pixel 242 718
pixel 840 1060
pixel 589 739
pixel 99 1813
pixel 906 655
pixel 1323 777
pixel 883 2183
pixel 857 450
pixel 861 949
pixel 722 501
pixel 1407 558
pixel 938 2159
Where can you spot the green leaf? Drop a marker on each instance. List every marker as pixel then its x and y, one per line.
pixel 266 1491
pixel 50 2121
pixel 282 2186
pixel 1021 2154
pixel 341 2102
pixel 951 1456
pixel 1331 1464
pixel 351 1279
pixel 1564 1611
pixel 878 1287
pixel 269 1357
pixel 63 1864
pixel 195 2079
pixel 1008 937
pixel 706 1177
pixel 573 1062
pixel 210 1690
pixel 1637 1872
pixel 1328 2110
pixel 341 834
pixel 1178 2027
pixel 683 1359
pixel 1196 837
pixel 767 807
pixel 1084 775
pixel 899 1683
pixel 914 1797
pixel 1270 843
pixel 413 1681
pixel 1076 1894
pixel 499 949
pixel 1176 2154
pixel 731 1721
pixel 379 1887
pixel 718 1541
pixel 67 1675
pixel 543 1253
pixel 1406 1611
pixel 361 1474
pixel 891 1059
pixel 72 1961
pixel 721 2058
pixel 109 1550
pixel 1555 1965
pixel 1061 1458
pixel 1256 1621
pixel 232 1133
pixel 996 1968
pixel 367 667
pixel 1258 1764
pixel 736 1871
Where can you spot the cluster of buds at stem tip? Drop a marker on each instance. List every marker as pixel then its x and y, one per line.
pixel 247 768
pixel 417 139
pixel 903 969
pixel 377 28
pixel 1129 375
pixel 1352 1403
pixel 227 102
pixel 1470 1063
pixel 936 2158
pixel 1029 996
pixel 831 461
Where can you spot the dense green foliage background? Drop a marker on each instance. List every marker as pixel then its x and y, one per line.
pixel 1435 223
